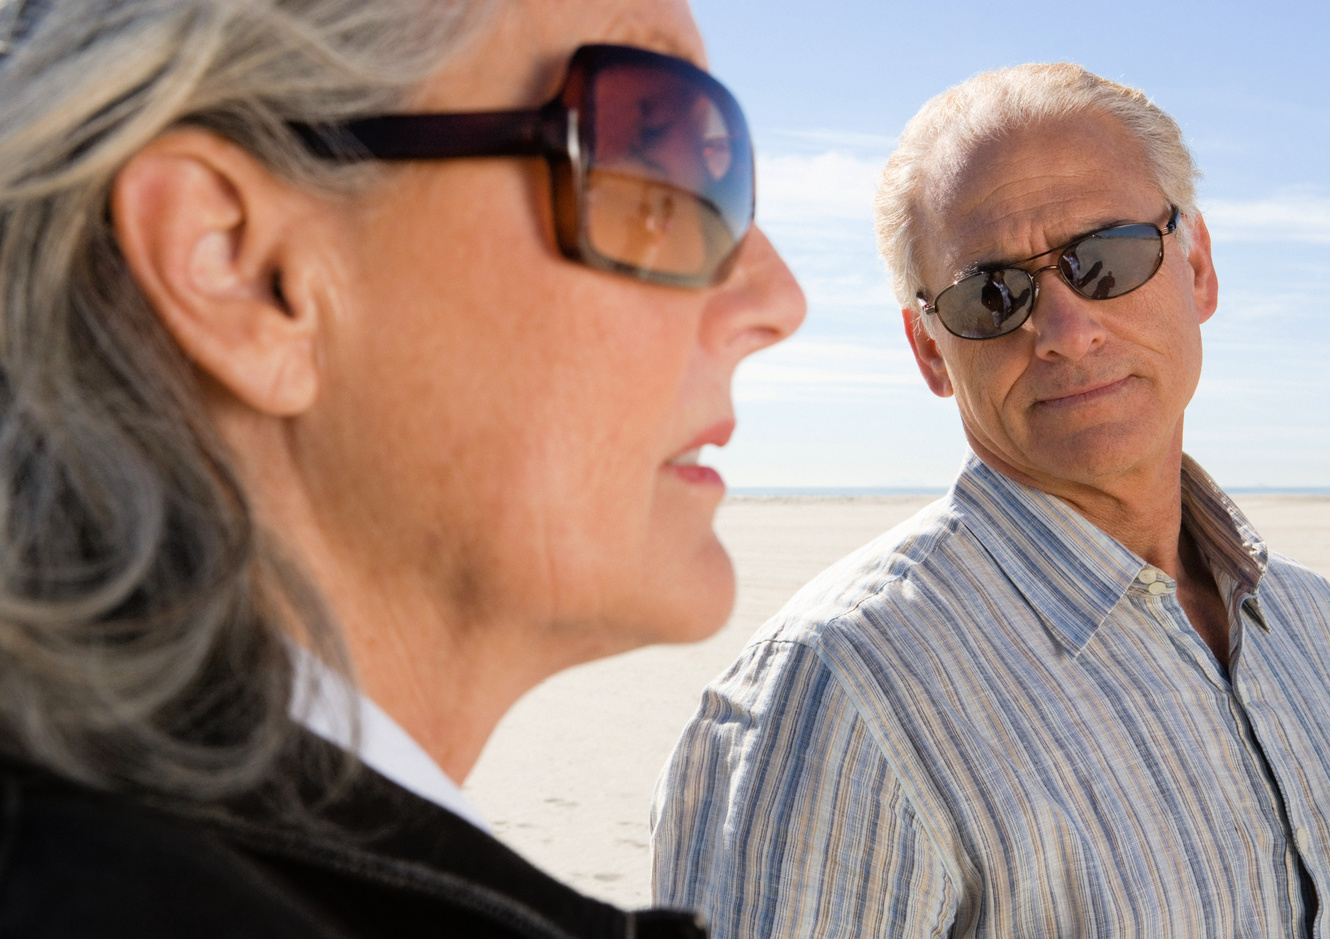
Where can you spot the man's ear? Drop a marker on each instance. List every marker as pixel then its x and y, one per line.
pixel 1205 282
pixel 926 354
pixel 206 231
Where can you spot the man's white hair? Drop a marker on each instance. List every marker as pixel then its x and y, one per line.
pixel 993 104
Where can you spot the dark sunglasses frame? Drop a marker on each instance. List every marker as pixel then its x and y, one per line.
pixel 1015 322
pixel 557 131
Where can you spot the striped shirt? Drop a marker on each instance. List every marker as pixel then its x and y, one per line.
pixel 995 720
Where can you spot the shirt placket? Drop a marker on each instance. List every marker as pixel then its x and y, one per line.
pixel 1237 689
pixel 1251 691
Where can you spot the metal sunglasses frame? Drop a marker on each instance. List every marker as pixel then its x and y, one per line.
pixel 931 309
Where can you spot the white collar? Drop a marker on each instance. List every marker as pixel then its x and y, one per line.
pixel 322 703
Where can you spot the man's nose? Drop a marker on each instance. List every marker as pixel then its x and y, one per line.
pixel 1066 324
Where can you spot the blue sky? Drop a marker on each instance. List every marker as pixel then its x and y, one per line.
pixel 828 86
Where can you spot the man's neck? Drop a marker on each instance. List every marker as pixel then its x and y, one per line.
pixel 1200 598
pixel 1139 506
pixel 1142 510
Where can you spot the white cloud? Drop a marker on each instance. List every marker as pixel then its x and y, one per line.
pixel 818 210
pixel 1286 217
pixel 811 369
pixel 830 185
pixel 868 293
pixel 821 191
pixel 1244 304
pixel 844 140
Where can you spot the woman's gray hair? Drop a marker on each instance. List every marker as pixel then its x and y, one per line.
pixel 993 104
pixel 142 636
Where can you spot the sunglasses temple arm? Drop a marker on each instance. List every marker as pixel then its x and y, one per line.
pixel 534 132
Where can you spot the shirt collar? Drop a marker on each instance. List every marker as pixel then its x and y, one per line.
pixel 1236 553
pixel 325 704
pixel 1072 573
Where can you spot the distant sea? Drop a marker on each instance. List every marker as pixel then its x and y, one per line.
pixel 833 492
pixel 852 492
pixel 1280 490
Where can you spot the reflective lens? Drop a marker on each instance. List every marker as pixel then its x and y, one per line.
pixel 986 305
pixel 1098 266
pixel 1110 263
pixel 668 184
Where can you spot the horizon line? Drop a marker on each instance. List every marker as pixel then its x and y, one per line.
pixel 760 492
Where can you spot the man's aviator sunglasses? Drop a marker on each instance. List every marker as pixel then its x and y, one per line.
pixel 650 160
pixel 1102 265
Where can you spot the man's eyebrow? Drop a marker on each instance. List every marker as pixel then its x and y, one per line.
pixel 988 267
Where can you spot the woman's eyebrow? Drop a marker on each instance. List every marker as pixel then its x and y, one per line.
pixel 627 31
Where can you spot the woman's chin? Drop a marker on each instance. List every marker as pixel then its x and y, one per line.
pixel 694 601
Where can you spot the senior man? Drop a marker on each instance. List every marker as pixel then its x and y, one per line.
pixel 1077 696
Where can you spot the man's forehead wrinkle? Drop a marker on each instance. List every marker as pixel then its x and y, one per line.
pixel 1020 234
pixel 1009 233
pixel 949 164
pixel 1021 219
pixel 960 148
pixel 1000 201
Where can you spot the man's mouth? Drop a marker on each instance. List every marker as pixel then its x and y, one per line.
pixel 1085 395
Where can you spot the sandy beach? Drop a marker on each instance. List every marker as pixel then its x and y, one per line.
pixel 567 778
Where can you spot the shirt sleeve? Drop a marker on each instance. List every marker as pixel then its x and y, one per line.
pixel 777 815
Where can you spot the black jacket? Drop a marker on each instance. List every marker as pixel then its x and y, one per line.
pixel 374 861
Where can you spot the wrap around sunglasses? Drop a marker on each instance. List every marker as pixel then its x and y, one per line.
pixel 650 160
pixel 1101 265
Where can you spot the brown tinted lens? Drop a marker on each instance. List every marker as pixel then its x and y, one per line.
pixel 1113 262
pixel 652 225
pixel 983 306
pixel 669 183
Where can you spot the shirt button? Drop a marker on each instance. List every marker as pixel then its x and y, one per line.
pixel 1304 839
pixel 1158 587
pixel 1148 576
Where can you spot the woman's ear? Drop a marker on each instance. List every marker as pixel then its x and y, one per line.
pixel 926 354
pixel 206 231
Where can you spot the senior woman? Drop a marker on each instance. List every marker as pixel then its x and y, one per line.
pixel 296 385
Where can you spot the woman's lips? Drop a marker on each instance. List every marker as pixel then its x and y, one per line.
pixel 686 467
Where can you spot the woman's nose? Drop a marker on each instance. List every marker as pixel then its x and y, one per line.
pixel 758 305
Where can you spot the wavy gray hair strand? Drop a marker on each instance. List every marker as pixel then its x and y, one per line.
pixel 142 642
